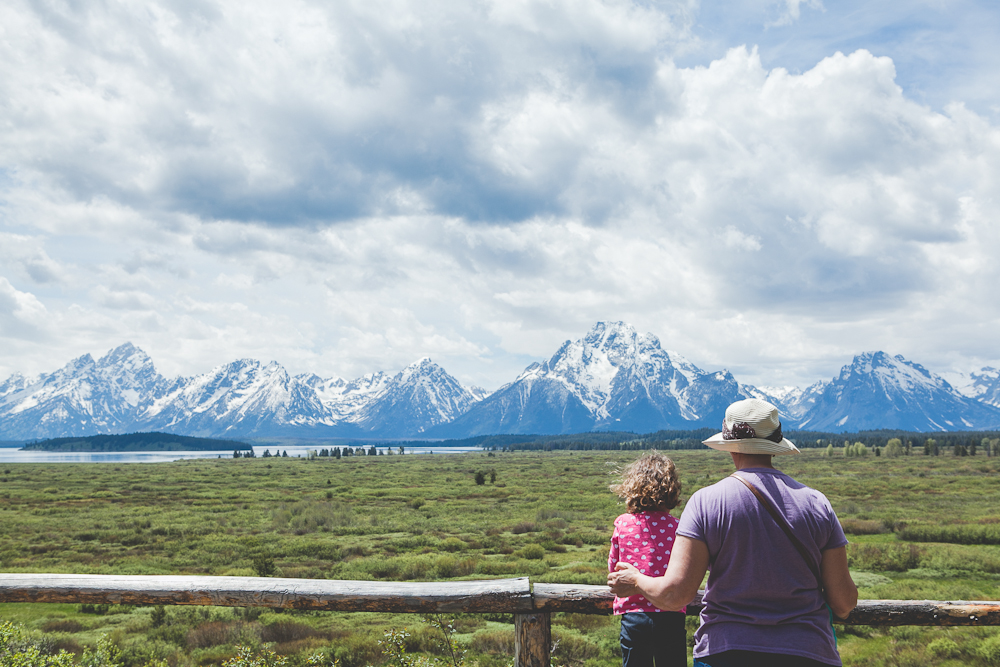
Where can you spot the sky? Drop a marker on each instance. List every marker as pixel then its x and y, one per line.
pixel 767 186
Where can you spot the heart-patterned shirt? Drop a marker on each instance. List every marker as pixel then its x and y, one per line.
pixel 645 540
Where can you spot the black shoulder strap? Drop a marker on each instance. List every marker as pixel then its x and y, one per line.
pixel 783 524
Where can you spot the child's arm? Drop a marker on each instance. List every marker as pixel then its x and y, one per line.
pixel 675 589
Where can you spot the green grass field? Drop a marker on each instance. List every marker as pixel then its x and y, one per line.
pixel 920 528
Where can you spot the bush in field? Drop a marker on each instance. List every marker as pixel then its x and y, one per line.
pixel 20 649
pixel 264 566
pixel 883 557
pixel 493 641
pixel 989 650
pixel 453 544
pixel 863 527
pixel 523 527
pixel 532 552
pixel 312 516
pixel 857 450
pixel 894 448
pixel 952 534
pixel 943 648
pixel 106 654
pixel 248 658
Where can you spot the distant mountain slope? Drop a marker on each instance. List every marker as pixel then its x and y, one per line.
pixel 612 378
pixel 984 386
pixel 418 398
pixel 122 392
pixel 83 397
pixel 879 391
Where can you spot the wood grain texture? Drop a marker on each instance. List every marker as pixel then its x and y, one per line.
pixel 581 599
pixel 923 612
pixel 532 639
pixel 497 595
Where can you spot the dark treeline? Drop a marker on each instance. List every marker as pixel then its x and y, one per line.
pixel 134 442
pixel 688 439
pixel 672 440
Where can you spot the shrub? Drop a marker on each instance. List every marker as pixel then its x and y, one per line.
pixel 287 631
pixel 989 534
pixel 310 516
pixel 264 566
pixel 883 557
pixel 499 642
pixel 453 544
pixel 523 527
pixel 18 647
pixel 572 648
pixel 217 633
pixel 532 552
pixel 68 625
pixel 445 566
pixel 943 648
pixel 248 658
pixel 989 650
pixel 356 650
pixel 862 527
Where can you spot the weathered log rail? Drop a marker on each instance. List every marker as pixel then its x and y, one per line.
pixel 532 606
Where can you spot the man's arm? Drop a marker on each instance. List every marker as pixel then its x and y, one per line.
pixel 838 587
pixel 677 587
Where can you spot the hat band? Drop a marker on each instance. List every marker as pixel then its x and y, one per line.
pixel 744 431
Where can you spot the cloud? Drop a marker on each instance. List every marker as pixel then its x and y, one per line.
pixel 793 11
pixel 22 316
pixel 350 187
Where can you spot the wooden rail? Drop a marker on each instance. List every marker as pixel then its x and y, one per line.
pixel 532 609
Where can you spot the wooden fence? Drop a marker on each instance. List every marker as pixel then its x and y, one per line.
pixel 531 606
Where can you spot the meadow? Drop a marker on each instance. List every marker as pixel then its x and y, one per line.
pixel 921 527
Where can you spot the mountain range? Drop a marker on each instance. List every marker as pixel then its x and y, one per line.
pixel 613 378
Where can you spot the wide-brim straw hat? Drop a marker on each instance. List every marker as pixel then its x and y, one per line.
pixel 752 426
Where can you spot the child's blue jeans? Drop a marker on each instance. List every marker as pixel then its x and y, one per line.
pixel 656 638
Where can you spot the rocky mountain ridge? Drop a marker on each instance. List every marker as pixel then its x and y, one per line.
pixel 614 378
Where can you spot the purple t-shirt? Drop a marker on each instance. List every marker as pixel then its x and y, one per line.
pixel 761 594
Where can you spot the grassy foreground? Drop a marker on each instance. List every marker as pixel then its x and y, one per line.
pixel 921 527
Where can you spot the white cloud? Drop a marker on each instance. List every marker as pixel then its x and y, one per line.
pixel 349 187
pixel 793 11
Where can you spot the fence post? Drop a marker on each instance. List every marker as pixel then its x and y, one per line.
pixel 532 639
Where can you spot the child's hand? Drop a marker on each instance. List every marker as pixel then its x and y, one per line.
pixel 622 581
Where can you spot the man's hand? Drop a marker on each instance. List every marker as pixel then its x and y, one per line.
pixel 622 581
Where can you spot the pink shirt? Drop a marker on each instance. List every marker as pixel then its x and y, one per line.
pixel 644 540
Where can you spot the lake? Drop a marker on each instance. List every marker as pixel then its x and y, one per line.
pixel 15 455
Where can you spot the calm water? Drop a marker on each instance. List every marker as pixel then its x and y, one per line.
pixel 14 455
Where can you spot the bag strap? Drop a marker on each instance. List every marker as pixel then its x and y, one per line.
pixel 782 522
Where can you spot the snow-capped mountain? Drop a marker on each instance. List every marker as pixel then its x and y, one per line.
pixel 880 391
pixel 123 392
pixel 611 379
pixel 344 399
pixel 983 386
pixel 421 396
pixel 81 398
pixel 242 398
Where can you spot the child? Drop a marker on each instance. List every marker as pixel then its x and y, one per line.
pixel 644 538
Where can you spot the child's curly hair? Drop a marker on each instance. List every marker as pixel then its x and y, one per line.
pixel 649 484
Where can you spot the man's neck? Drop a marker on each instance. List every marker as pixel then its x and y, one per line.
pixel 744 461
